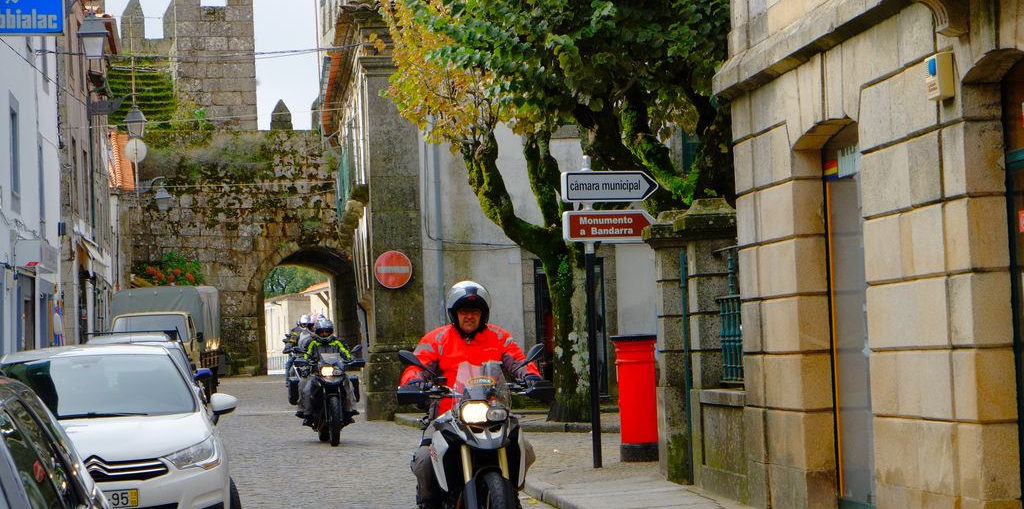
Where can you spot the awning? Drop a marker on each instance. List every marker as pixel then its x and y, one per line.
pixel 94 254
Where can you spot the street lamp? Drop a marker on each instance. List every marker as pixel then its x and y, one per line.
pixel 160 195
pixel 93 34
pixel 136 122
pixel 163 198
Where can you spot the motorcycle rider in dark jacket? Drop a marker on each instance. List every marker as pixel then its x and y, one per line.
pixel 303 327
pixel 323 340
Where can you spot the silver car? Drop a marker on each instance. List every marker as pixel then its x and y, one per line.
pixel 134 415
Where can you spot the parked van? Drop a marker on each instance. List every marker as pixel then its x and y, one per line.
pixel 192 312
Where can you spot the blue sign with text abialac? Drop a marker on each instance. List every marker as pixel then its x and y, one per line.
pixel 31 17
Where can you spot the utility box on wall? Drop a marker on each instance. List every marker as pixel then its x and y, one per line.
pixel 939 76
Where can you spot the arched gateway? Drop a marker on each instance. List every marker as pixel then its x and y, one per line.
pixel 262 200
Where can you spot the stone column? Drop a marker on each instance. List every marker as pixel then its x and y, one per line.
pixel 671 376
pixel 700 232
pixel 394 224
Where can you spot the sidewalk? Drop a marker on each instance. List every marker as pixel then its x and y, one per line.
pixel 564 477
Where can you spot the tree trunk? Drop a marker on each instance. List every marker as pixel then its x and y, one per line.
pixel 572 402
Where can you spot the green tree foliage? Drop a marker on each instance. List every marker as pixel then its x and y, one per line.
pixel 285 279
pixel 624 72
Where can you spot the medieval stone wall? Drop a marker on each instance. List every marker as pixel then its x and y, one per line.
pixel 242 204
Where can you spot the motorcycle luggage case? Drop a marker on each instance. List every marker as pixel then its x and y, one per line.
pixel 355 385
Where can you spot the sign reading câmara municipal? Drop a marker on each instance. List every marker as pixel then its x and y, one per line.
pixel 31 17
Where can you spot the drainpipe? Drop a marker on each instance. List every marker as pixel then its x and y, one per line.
pixel 684 287
pixel 435 158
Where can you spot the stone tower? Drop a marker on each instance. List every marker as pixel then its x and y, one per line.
pixel 212 59
pixel 211 56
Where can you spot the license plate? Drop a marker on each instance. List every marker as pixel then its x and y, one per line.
pixel 123 498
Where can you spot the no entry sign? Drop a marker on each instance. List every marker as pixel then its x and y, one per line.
pixel 392 269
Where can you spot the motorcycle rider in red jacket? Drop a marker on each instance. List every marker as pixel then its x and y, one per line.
pixel 468 338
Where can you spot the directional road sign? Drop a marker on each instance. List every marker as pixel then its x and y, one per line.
pixel 612 226
pixel 621 186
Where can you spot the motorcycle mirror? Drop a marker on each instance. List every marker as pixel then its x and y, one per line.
pixel 356 349
pixel 534 353
pixel 409 358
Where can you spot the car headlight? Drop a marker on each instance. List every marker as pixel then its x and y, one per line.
pixel 329 371
pixel 474 412
pixel 203 455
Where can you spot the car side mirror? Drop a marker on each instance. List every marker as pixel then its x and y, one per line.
pixel 202 374
pixel 221 403
pixel 199 337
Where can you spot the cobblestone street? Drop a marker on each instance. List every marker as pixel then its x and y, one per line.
pixel 277 463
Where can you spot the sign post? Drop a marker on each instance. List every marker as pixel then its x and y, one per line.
pixel 592 226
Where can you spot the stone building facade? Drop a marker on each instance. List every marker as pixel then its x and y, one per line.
pixel 210 51
pixel 89 244
pixel 880 281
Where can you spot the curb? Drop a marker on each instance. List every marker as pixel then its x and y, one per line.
pixel 529 426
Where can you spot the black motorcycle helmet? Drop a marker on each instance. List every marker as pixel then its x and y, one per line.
pixel 468 295
pixel 323 328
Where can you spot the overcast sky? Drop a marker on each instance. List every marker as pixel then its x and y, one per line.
pixel 294 78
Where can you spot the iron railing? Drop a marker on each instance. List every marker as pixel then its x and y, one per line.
pixel 731 334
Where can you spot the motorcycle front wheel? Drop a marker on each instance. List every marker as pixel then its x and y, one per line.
pixel 293 392
pixel 334 412
pixel 495 492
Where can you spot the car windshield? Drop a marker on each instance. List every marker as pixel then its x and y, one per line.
pixel 106 385
pixel 150 323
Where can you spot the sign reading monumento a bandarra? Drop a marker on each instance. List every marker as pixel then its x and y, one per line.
pixel 612 226
pixel 31 17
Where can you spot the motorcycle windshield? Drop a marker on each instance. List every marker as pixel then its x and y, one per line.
pixel 330 358
pixel 481 382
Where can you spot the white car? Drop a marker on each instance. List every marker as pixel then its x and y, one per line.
pixel 146 436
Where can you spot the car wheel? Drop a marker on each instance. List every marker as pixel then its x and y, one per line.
pixel 236 501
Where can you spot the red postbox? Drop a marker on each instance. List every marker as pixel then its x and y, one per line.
pixel 638 409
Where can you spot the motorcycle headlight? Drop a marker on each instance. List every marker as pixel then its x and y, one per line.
pixel 474 412
pixel 329 371
pixel 496 414
pixel 203 455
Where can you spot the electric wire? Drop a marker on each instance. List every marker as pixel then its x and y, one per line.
pixel 219 56
pixel 43 74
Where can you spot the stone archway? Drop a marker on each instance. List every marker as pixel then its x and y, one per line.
pixel 331 260
pixel 265 199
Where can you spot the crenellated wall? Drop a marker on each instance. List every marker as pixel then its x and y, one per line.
pixel 210 54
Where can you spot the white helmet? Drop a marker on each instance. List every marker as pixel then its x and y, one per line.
pixel 468 294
